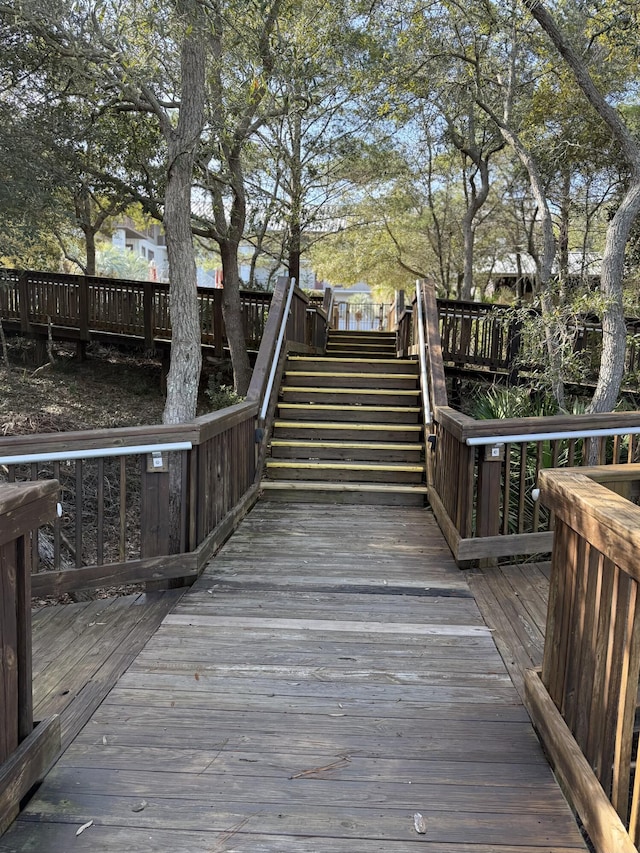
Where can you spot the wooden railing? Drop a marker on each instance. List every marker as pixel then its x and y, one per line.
pixel 117 496
pixel 479 335
pixel 584 701
pixel 25 753
pixel 482 473
pixel 84 308
pixel 486 337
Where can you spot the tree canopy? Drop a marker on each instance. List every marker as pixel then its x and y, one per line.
pixel 383 141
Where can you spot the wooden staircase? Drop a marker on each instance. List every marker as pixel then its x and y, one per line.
pixel 349 426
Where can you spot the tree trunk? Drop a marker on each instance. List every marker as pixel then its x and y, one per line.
pixel 614 327
pixel 186 347
pixel 90 242
pixel 467 234
pixel 232 313
pixel 475 202
pixel 563 239
pixel 296 198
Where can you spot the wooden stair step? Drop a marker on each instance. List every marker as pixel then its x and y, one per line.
pixel 398 494
pixel 370 396
pixel 365 427
pixel 344 466
pixel 364 365
pixel 282 448
pixel 346 429
pixel 351 414
pixel 326 379
pixel 307 469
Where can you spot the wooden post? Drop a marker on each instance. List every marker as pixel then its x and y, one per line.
pixel 147 311
pixel 23 302
pixel 23 507
pixel 83 307
pixel 489 489
pixel 154 510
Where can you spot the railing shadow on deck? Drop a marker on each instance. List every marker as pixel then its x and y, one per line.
pixel 584 700
pixel 483 474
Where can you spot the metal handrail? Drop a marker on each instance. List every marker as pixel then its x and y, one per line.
pixel 523 438
pixel 424 382
pixel 276 355
pixel 95 453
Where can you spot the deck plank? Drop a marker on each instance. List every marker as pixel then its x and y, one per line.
pixel 290 701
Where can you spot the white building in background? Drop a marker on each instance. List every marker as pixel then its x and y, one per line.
pixel 150 244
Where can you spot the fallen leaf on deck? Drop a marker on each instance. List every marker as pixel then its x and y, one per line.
pixel 83 827
pixel 419 824
pixel 197 676
pixel 104 740
pixel 140 807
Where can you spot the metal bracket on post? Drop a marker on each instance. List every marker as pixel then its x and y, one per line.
pixel 494 452
pixel 157 462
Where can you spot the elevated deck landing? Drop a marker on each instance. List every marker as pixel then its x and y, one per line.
pixel 329 677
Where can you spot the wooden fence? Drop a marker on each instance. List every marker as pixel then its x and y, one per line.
pixel 25 753
pixel 85 308
pixel 118 486
pixel 584 701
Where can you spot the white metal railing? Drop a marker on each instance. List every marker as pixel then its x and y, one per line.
pixel 276 355
pixel 523 438
pixel 424 382
pixel 95 453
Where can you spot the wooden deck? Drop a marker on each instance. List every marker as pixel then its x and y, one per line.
pixel 329 677
pixel 513 602
pixel 80 651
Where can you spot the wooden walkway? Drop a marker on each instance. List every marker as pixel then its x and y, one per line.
pixel 80 650
pixel 329 677
pixel 513 602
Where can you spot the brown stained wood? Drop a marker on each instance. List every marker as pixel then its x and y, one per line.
pixel 630 674
pixel 72 678
pixel 230 713
pixel 26 766
pixel 437 382
pixel 576 631
pixel 513 544
pixel 589 651
pixel 598 815
pixel 601 515
pixel 134 571
pixel 550 662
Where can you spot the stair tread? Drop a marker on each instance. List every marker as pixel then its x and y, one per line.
pixel 356 360
pixel 349 374
pixel 346 425
pixel 303 485
pixel 349 445
pixel 354 391
pixel 348 466
pixel 324 407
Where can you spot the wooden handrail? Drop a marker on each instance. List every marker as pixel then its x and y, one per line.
pixel 584 700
